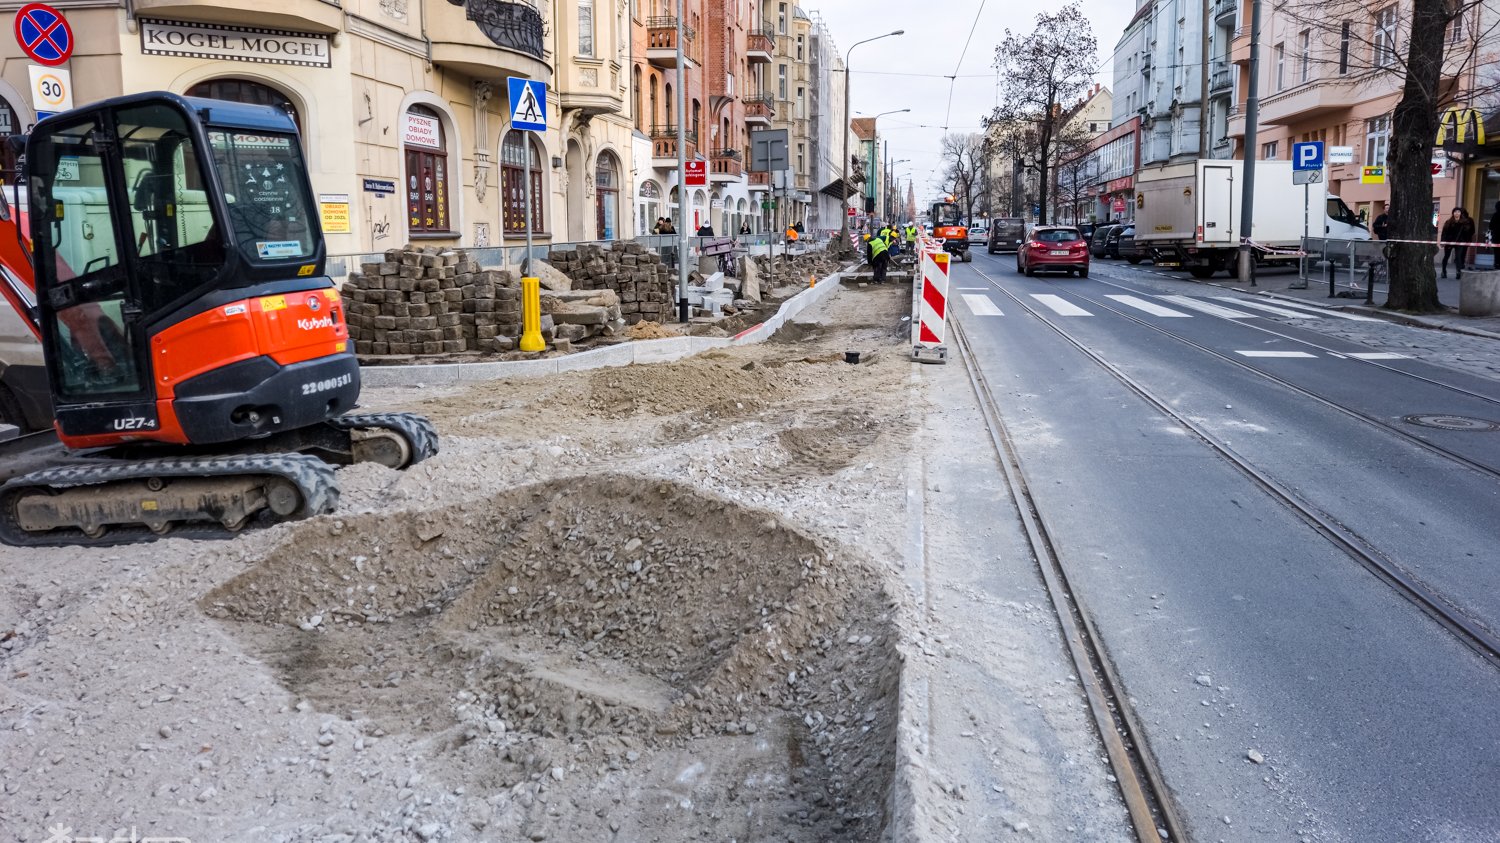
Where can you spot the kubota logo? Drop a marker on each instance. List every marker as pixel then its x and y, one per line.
pixel 314 324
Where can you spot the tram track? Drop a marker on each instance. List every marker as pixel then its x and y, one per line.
pixel 1153 816
pixel 1437 606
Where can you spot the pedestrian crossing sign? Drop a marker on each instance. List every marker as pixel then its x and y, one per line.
pixel 528 104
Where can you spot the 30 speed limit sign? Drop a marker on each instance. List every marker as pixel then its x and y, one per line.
pixel 51 90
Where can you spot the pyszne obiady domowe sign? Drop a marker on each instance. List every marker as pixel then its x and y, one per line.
pixel 233 43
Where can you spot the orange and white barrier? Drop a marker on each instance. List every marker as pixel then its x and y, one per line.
pixel 929 320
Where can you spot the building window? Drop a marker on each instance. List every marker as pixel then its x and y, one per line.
pixel 1268 151
pixel 802 159
pixel 513 185
pixel 585 27
pixel 607 195
pixel 1385 37
pixel 1456 28
pixel 10 124
pixel 781 81
pixel 1304 72
pixel 801 103
pixel 426 170
pixel 1344 49
pixel 637 91
pixel 669 103
pixel 1377 140
pixel 1280 67
pixel 245 91
pixel 697 116
pixel 781 19
pixel 801 48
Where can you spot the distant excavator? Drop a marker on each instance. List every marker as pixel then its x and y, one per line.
pixel 167 254
pixel 948 226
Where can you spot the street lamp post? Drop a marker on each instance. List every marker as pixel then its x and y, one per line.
pixel 844 182
pixel 874 171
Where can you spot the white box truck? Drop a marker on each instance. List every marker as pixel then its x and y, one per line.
pixel 1188 215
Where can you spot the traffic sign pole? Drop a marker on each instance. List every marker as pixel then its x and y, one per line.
pixel 528 113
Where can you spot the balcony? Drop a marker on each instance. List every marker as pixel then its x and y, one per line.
pixel 762 45
pixel 664 146
pixel 760 182
pixel 313 15
pixel 725 166
pixel 1317 99
pixel 488 39
pixel 1226 12
pixel 759 111
pixel 1221 80
pixel 661 42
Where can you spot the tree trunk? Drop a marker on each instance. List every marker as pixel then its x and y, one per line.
pixel 1044 178
pixel 1413 280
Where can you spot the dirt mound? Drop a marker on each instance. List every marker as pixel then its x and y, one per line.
pixel 668 389
pixel 828 444
pixel 650 331
pixel 573 624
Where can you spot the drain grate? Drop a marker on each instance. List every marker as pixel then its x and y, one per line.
pixel 1443 422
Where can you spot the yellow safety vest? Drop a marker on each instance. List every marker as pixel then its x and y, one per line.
pixel 878 247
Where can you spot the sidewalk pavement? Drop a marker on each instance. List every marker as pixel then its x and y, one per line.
pixel 1284 283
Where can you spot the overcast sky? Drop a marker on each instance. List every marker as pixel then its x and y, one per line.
pixel 911 70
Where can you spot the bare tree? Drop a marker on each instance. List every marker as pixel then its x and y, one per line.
pixel 1075 182
pixel 1042 74
pixel 1440 66
pixel 963 169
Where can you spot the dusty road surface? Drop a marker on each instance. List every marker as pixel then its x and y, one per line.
pixel 651 604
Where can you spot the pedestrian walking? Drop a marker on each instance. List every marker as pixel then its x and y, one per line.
pixel 1457 229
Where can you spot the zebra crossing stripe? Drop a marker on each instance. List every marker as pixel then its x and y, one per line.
pixel 1279 311
pixel 982 306
pixel 1286 354
pixel 1204 307
pixel 1060 305
pixel 1149 307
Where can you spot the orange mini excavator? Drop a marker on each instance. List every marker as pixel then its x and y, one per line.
pixel 948 226
pixel 167 253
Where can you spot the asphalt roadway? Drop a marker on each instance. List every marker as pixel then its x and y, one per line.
pixel 1239 631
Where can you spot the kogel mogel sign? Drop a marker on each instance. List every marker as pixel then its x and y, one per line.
pixel 234 43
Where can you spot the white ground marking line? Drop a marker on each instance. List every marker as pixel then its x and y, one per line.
pixel 1204 307
pixel 1279 311
pixel 1323 311
pixel 1060 305
pixel 1149 307
pixel 982 306
pixel 973 289
pixel 1297 354
pixel 1379 355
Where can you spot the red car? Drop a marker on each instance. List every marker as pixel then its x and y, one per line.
pixel 1054 247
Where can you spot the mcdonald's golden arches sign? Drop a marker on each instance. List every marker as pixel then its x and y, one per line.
pixel 1459 122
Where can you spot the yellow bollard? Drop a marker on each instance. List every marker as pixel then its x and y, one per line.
pixel 531 315
pixel 812 281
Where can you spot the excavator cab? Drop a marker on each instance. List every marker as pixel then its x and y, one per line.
pixel 179 276
pixel 948 226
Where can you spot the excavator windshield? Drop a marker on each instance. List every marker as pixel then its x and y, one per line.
pixel 946 213
pixel 264 178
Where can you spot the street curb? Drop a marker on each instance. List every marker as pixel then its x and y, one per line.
pixel 910 776
pixel 624 354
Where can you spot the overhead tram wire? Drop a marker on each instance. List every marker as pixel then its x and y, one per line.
pixel 953 80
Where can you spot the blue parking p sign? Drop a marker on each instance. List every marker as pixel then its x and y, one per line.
pixel 1307 156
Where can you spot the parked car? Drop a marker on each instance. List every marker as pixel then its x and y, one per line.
pixel 1054 248
pixel 1127 248
pixel 1087 230
pixel 1007 234
pixel 1112 240
pixel 1099 243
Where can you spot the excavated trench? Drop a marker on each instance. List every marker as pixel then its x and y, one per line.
pixel 665 663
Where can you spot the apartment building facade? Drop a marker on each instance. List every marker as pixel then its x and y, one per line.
pixel 402 103
pixel 1331 73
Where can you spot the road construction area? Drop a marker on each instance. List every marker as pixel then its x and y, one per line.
pixel 650 603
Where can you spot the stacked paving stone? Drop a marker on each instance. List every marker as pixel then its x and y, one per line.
pixel 634 273
pixel 432 301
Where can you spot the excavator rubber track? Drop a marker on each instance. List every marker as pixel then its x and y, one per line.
pixel 112 503
pixel 420 436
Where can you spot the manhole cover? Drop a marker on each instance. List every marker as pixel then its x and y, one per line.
pixel 1452 422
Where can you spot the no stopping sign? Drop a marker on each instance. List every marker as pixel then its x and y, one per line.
pixel 44 34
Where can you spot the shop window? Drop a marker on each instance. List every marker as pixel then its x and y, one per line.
pixel 247 92
pixel 426 171
pixel 513 185
pixel 607 196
